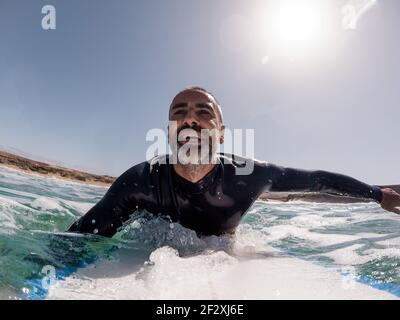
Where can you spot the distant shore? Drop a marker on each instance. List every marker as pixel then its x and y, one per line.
pixel 32 166
pixel 44 169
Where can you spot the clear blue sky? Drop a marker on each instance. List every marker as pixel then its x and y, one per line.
pixel 85 94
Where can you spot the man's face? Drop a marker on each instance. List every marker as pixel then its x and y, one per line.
pixel 197 119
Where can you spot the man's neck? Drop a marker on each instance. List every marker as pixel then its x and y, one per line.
pixel 193 172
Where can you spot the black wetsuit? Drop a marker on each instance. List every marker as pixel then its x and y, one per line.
pixel 213 205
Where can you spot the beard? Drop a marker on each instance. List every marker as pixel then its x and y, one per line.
pixel 195 154
pixel 193 146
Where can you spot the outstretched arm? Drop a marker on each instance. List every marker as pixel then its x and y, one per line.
pixel 289 179
pixel 111 211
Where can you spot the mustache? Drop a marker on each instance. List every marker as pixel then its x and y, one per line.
pixel 194 127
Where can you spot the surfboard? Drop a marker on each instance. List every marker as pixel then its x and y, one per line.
pixel 215 275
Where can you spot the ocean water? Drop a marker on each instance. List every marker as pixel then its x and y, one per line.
pixel 359 239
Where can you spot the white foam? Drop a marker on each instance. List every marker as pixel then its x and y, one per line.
pixel 46 203
pixel 81 207
pixel 379 253
pixel 7 221
pixel 348 255
pixel 317 221
pixel 280 232
pixel 393 242
pixel 244 269
pixel 214 275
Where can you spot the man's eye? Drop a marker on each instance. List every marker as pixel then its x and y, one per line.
pixel 180 112
pixel 204 112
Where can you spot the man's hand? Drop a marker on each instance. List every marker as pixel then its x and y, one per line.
pixel 390 200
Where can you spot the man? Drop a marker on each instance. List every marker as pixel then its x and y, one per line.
pixel 209 197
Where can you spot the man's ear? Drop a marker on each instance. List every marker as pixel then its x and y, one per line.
pixel 168 133
pixel 222 134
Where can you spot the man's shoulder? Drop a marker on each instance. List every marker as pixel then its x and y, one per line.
pixel 140 175
pixel 147 166
pixel 243 166
pixel 256 172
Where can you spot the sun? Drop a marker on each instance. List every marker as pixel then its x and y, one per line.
pixel 297 23
pixel 294 27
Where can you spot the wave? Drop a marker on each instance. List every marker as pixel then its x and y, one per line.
pixel 35 212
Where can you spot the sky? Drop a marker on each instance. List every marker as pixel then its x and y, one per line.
pixel 319 90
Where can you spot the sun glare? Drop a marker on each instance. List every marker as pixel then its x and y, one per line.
pixel 297 24
pixel 295 27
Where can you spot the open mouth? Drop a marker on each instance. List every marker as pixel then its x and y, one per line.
pixel 190 138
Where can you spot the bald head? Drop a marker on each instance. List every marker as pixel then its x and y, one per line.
pixel 200 95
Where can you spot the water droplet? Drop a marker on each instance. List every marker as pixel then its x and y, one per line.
pixel 93 221
pixel 241 184
pixel 95 231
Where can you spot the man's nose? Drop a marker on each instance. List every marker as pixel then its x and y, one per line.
pixel 191 118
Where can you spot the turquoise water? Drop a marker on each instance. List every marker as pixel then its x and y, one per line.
pixel 358 239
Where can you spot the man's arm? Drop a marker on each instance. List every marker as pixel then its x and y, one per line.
pixel 284 179
pixel 112 210
pixel 281 179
